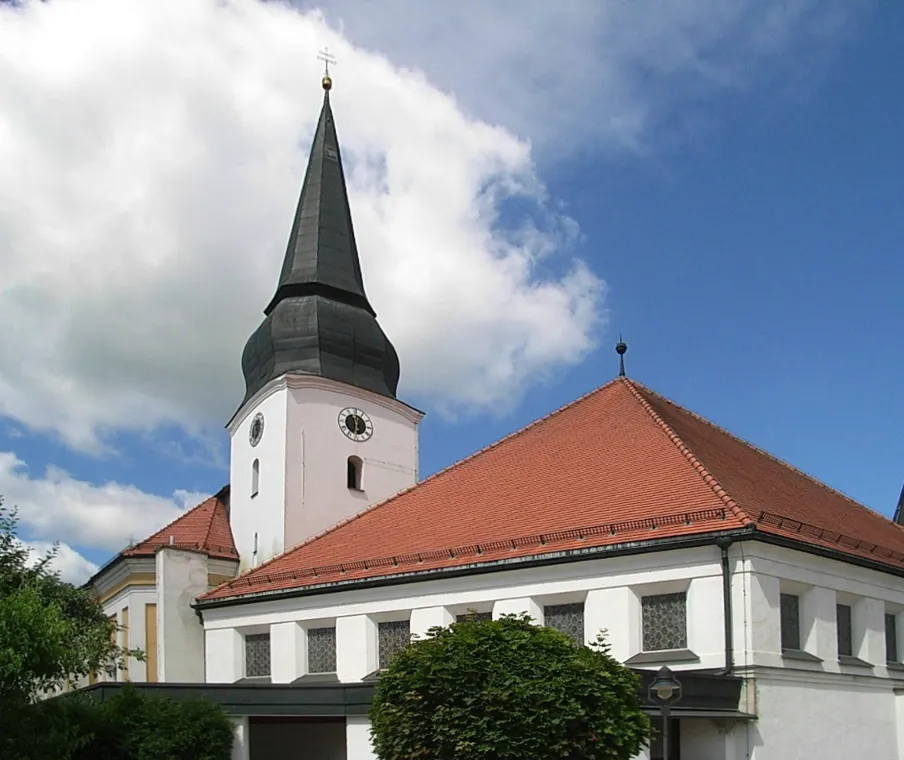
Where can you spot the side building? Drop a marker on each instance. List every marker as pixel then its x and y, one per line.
pixel 148 589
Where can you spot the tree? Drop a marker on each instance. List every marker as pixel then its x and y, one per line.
pixel 50 631
pixel 506 689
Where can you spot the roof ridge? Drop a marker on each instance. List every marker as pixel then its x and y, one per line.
pixel 772 457
pixel 420 483
pixel 698 466
pixel 171 523
pixel 213 514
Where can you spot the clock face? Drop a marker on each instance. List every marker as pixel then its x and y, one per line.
pixel 355 424
pixel 256 431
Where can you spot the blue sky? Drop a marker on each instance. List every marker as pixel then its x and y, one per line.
pixel 751 252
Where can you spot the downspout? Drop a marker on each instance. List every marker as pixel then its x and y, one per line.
pixel 724 543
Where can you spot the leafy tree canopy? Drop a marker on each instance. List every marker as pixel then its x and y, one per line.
pixel 50 631
pixel 506 689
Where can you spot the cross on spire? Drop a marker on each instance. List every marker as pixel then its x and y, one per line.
pixel 327 58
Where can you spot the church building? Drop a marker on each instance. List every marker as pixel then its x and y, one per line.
pixel 777 601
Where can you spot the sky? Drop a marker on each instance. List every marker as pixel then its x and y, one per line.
pixel 717 181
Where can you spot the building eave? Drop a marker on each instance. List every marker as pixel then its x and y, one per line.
pixel 747 533
pixel 478 568
pixel 827 552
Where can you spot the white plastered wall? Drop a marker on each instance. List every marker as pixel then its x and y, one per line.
pixel 303 456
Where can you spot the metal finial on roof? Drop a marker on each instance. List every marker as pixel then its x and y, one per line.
pixel 327 58
pixel 621 348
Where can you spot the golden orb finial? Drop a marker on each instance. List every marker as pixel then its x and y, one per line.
pixel 327 59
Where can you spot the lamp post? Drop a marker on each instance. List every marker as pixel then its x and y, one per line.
pixel 665 691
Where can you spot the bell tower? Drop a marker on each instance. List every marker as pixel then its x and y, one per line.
pixel 320 434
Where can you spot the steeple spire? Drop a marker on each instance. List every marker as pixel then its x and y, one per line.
pixel 319 321
pixel 322 256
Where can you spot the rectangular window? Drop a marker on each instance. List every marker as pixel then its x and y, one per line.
pixel 111 673
pixel 844 628
pixel 125 641
pixel 476 616
pixel 150 642
pixel 664 621
pixel 567 619
pixel 393 638
pixel 891 638
pixel 789 610
pixel 321 650
pixel 257 655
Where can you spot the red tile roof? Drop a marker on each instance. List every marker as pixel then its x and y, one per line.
pixel 621 464
pixel 204 528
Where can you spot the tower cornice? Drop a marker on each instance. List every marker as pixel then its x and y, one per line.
pixel 298 382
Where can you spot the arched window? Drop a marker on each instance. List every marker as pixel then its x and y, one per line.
pixel 255 477
pixel 355 465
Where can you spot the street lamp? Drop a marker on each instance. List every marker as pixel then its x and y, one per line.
pixel 665 691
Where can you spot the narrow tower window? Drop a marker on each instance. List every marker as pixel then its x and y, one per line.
pixel 355 465
pixel 255 477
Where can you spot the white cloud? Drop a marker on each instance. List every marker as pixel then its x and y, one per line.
pixel 57 507
pixel 152 158
pixel 609 74
pixel 152 155
pixel 72 566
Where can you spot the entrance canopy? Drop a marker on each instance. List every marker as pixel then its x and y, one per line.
pixel 704 695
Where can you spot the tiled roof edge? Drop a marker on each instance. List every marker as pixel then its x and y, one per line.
pixel 793 525
pixel 772 457
pixel 133 549
pixel 240 583
pixel 698 466
pixel 419 484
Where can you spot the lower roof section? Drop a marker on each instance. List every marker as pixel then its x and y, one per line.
pixel 704 695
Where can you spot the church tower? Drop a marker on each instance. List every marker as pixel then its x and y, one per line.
pixel 320 434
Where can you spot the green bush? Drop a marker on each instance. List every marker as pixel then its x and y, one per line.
pixel 160 728
pixel 130 726
pixel 506 689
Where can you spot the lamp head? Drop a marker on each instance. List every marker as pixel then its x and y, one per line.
pixel 665 688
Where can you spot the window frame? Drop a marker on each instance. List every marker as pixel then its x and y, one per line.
pixel 354 473
pixel 645 641
pixel 844 620
pixel 257 636
pixel 255 477
pixel 892 636
pixel 563 607
pixel 382 625
pixel 316 629
pixel 782 620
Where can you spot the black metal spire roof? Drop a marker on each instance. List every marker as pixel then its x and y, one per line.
pixel 319 321
pixel 899 512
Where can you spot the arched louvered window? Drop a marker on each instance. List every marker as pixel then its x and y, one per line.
pixel 354 468
pixel 255 477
